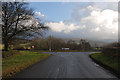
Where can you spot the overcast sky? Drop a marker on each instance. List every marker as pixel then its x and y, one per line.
pixel 94 21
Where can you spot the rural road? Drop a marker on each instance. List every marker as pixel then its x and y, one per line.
pixel 66 65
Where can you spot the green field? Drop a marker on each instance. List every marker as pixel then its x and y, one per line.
pixel 107 60
pixel 18 62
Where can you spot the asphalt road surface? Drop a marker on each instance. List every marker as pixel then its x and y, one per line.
pixel 66 65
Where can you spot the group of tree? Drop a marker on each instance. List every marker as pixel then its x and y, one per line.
pixel 54 43
pixel 48 43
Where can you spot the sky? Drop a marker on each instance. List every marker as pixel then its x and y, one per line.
pixel 88 20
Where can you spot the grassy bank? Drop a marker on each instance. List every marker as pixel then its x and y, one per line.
pixel 18 62
pixel 107 60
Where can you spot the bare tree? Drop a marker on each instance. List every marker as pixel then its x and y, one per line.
pixel 85 45
pixel 18 19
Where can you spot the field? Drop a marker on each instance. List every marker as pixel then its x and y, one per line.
pixel 13 64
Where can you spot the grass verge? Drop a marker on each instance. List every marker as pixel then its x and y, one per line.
pixel 109 62
pixel 18 62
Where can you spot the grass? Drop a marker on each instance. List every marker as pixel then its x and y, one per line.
pixel 107 60
pixel 18 62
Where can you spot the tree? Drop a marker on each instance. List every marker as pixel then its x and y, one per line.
pixel 48 43
pixel 40 44
pixel 72 45
pixel 84 45
pixel 18 19
pixel 56 43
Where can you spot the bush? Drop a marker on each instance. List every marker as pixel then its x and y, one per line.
pixel 111 49
pixel 18 48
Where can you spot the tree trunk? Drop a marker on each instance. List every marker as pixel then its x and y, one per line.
pixel 6 46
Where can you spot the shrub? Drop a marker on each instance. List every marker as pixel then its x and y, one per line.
pixel 111 49
pixel 18 48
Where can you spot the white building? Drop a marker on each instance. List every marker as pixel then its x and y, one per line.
pixel 65 48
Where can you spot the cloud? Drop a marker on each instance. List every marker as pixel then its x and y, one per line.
pixel 96 29
pixel 105 18
pixel 92 21
pixel 41 17
pixel 39 14
pixel 107 5
pixel 100 23
pixel 62 27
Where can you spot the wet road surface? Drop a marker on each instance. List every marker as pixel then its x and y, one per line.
pixel 66 65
